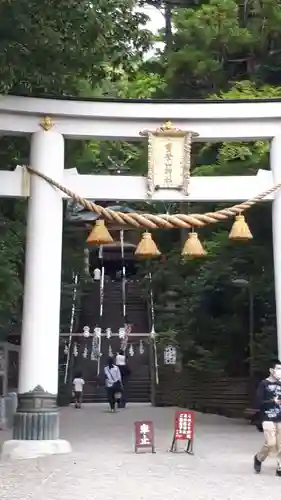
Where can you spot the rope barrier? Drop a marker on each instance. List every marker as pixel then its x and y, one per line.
pixel 156 221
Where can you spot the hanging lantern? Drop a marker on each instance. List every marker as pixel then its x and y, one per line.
pixel 240 229
pixel 123 345
pixel 75 350
pixel 66 348
pixel 141 347
pixel 193 247
pixel 86 332
pixel 94 352
pixel 121 333
pixel 99 234
pixel 108 333
pixel 147 247
pixel 97 332
pixel 95 344
pixel 94 356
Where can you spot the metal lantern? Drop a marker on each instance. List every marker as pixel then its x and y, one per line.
pixel 169 156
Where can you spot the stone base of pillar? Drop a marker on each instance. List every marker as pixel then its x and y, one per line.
pixel 20 449
pixel 36 427
pixel 37 416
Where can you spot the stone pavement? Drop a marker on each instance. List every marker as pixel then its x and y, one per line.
pixel 104 467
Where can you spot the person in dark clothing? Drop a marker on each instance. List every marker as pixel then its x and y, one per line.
pixel 113 382
pixel 121 362
pixel 269 402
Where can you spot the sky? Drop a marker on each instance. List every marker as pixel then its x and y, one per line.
pixel 154 25
pixel 156 18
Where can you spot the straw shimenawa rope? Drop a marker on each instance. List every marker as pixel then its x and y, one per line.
pixel 153 221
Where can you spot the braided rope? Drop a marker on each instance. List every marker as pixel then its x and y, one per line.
pixel 153 221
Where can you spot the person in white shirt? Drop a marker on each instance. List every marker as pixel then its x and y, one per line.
pixel 120 358
pixel 78 386
pixel 113 383
pixel 97 274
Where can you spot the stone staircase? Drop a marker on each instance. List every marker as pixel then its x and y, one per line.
pixel 90 306
pixel 137 389
pixel 138 386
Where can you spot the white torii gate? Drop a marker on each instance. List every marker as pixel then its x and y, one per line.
pixel 36 429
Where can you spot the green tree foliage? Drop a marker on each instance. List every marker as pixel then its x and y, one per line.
pixel 46 46
pixel 220 42
pixel 101 156
pixel 12 235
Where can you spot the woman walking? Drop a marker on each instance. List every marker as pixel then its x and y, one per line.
pixel 113 382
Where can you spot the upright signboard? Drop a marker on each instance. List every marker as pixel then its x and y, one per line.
pixel 144 435
pixel 183 430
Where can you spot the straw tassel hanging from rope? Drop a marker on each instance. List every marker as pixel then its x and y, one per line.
pixel 147 247
pixel 99 234
pixel 240 229
pixel 193 247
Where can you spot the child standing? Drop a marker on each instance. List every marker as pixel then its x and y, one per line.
pixel 78 386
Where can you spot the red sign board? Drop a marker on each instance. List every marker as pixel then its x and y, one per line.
pixel 144 435
pixel 184 425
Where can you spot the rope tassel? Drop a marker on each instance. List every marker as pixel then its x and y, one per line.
pixel 147 247
pixel 240 229
pixel 99 234
pixel 193 247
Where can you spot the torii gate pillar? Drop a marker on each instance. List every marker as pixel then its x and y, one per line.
pixel 275 162
pixel 36 426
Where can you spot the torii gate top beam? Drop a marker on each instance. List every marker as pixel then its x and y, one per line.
pixel 123 119
pixel 125 188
